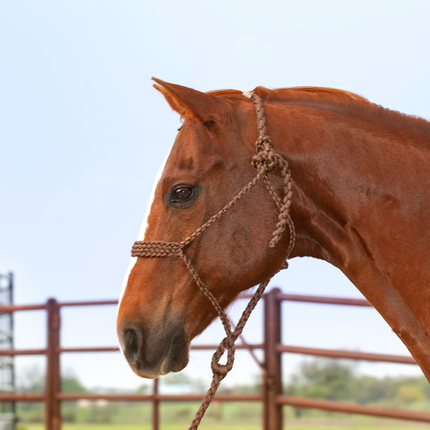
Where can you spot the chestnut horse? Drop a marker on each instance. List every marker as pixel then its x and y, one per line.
pixel 361 201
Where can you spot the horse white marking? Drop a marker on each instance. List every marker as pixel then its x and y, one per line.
pixel 143 227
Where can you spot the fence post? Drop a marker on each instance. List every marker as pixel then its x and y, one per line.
pixel 53 377
pixel 155 407
pixel 272 412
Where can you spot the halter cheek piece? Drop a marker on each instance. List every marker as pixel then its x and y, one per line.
pixel 264 162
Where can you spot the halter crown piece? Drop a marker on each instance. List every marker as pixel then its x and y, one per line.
pixel 264 162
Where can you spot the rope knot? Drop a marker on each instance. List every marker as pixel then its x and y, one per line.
pixel 217 367
pixel 265 158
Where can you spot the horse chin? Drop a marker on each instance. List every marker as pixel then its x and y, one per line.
pixel 177 356
pixel 166 367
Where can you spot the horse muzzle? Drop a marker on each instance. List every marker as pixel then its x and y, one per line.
pixel 151 353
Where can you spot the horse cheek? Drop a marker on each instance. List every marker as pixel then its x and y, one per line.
pixel 239 247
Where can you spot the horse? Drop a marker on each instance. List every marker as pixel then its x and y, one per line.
pixel 360 183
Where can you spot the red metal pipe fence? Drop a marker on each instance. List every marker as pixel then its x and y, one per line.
pixel 271 396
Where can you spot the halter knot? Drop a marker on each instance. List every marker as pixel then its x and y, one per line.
pixel 265 158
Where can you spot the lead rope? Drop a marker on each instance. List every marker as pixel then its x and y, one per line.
pixel 264 162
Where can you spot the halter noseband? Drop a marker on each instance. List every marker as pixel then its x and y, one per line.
pixel 264 162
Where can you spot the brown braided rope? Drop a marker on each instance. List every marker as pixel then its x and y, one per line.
pixel 265 161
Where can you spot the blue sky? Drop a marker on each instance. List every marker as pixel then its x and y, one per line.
pixel 83 133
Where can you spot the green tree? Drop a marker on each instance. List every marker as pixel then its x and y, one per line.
pixel 338 380
pixel 143 389
pixel 31 380
pixel 70 383
pixel 409 393
pixel 323 379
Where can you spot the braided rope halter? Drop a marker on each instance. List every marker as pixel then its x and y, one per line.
pixel 264 162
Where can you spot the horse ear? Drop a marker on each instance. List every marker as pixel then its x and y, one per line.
pixel 190 103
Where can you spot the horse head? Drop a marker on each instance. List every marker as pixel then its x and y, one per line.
pixel 162 309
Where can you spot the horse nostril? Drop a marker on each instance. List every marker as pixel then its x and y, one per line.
pixel 131 343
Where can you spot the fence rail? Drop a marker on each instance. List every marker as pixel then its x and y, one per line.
pixel 271 396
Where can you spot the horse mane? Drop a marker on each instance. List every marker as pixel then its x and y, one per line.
pixel 341 102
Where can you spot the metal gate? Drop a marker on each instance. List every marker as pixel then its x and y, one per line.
pixel 7 370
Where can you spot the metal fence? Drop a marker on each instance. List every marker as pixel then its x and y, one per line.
pixel 7 365
pixel 271 396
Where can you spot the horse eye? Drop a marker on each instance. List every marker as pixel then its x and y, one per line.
pixel 182 193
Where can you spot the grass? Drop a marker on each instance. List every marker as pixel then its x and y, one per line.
pixel 143 427
pixel 138 427
pixel 292 426
pixel 221 416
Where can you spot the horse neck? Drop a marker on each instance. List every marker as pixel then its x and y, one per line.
pixel 354 182
pixel 361 203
